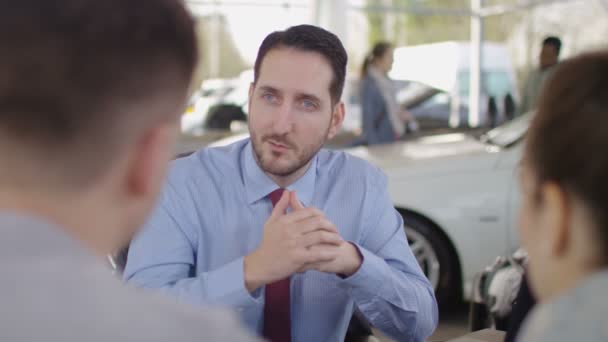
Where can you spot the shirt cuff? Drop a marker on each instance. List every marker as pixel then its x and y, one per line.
pixel 368 277
pixel 228 283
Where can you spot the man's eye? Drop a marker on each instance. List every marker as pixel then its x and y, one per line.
pixel 309 105
pixel 269 98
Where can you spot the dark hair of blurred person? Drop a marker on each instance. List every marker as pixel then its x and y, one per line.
pixel 564 217
pixel 84 84
pixel 310 39
pixel 549 53
pixel 90 98
pixel 381 55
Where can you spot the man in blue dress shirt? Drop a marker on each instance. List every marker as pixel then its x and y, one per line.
pixel 294 263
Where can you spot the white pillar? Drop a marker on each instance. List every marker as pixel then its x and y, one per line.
pixel 389 22
pixel 332 16
pixel 214 43
pixel 316 12
pixel 475 65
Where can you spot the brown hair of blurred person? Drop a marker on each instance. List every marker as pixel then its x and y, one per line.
pixel 90 98
pixel 564 217
pixel 382 55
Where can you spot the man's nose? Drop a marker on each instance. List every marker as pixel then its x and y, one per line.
pixel 283 120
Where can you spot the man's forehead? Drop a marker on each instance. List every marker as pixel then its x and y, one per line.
pixel 296 71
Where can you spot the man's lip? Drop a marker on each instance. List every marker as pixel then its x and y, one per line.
pixel 276 144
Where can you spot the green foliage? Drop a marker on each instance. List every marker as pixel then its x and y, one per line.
pixel 375 19
pixel 414 28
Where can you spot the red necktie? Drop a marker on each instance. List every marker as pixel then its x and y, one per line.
pixel 277 311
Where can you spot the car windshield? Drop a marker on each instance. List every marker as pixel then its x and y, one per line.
pixel 509 133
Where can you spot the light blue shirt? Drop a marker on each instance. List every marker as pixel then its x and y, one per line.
pixel 212 214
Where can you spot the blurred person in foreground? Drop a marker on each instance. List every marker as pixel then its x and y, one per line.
pixel 293 236
pixel 548 59
pixel 90 97
pixel 383 120
pixel 564 216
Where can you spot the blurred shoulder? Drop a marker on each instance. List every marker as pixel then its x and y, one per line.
pixel 579 316
pixel 172 320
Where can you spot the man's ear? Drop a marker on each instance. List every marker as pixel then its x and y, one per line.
pixel 556 214
pixel 149 160
pixel 337 118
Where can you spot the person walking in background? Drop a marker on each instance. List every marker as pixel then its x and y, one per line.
pixel 548 58
pixel 564 214
pixel 383 120
pixel 91 93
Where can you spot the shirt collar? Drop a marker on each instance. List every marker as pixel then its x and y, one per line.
pixel 259 185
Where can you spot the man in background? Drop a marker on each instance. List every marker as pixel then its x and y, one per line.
pixel 90 97
pixel 549 57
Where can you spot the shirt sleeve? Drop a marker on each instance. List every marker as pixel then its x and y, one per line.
pixel 163 257
pixel 389 288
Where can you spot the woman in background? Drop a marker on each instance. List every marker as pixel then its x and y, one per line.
pixel 564 216
pixel 383 119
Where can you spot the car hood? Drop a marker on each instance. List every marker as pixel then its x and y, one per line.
pixel 431 150
pixel 424 156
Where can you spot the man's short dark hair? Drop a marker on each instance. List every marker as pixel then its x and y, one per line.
pixel 72 71
pixel 313 39
pixel 553 41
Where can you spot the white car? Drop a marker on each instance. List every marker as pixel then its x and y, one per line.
pixel 459 197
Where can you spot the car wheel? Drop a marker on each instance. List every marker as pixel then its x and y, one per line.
pixel 435 256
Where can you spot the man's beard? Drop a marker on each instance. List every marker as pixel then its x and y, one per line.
pixel 302 157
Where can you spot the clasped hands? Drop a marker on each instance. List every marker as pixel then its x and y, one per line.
pixel 298 241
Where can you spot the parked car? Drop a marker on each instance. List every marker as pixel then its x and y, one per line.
pixel 218 105
pixel 458 195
